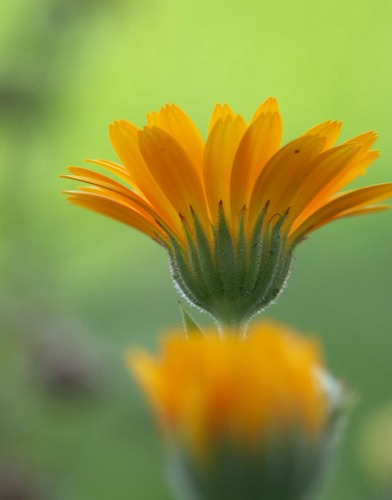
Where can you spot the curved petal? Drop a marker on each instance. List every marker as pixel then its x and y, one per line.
pixel 134 203
pixel 219 111
pixel 171 168
pixel 311 181
pixel 367 139
pixel 368 209
pixel 329 130
pixel 343 176
pixel 363 159
pixel 124 138
pixel 177 123
pixel 115 168
pixel 91 177
pixel 112 189
pixel 280 173
pixel 270 105
pixel 115 210
pixel 342 205
pixel 221 147
pixel 259 143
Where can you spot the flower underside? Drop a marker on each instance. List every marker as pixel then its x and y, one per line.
pixel 231 209
pixel 232 277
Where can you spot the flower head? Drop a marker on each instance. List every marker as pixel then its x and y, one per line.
pixel 242 409
pixel 229 210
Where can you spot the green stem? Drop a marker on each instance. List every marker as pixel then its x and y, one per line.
pixel 230 323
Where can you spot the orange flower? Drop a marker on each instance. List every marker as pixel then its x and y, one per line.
pixel 253 399
pixel 230 210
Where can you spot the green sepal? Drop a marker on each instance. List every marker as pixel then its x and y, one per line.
pixel 287 466
pixel 207 263
pixel 225 256
pixel 241 249
pixel 279 282
pixel 288 463
pixel 232 278
pixel 190 325
pixel 182 275
pixel 257 241
pixel 273 260
pixel 194 259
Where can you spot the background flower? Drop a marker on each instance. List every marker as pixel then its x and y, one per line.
pixel 243 417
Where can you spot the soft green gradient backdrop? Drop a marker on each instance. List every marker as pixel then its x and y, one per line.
pixel 78 289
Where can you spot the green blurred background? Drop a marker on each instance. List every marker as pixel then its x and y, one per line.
pixel 78 289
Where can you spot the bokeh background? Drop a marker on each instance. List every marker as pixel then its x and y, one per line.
pixel 77 289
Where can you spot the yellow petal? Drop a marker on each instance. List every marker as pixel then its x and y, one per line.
pixel 329 130
pixel 342 177
pixel 145 370
pixel 115 168
pixel 280 173
pixel 91 177
pixel 363 159
pixel 367 139
pixel 344 204
pixel 115 210
pixel 177 123
pixel 112 189
pixel 220 111
pixel 370 209
pixel 221 147
pixel 171 168
pixel 319 174
pixel 124 138
pixel 260 141
pixel 358 167
pixel 270 105
pixel 130 200
pixel 200 387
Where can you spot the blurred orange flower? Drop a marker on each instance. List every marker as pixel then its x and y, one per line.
pixel 243 417
pixel 213 388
